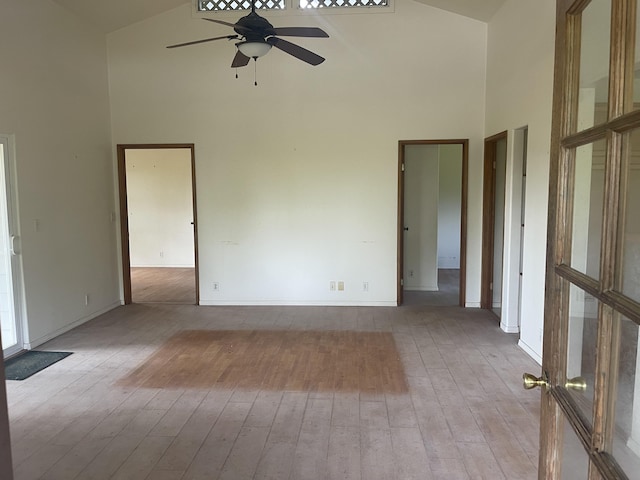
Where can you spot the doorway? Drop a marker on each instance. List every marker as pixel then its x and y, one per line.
pixel 158 223
pixel 10 265
pixel 432 209
pixel 493 220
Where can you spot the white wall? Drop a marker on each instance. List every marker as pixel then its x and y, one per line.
pixel 159 203
pixel 54 100
pixel 297 178
pixel 519 92
pixel 449 206
pixel 421 180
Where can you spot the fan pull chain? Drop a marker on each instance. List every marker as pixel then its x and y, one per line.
pixel 236 72
pixel 255 71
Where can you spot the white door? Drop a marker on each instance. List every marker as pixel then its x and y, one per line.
pixel 10 291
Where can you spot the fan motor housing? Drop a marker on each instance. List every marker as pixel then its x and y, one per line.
pixel 254 27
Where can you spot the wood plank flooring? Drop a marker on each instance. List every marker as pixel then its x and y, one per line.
pixel 163 285
pixel 464 414
pixel 448 293
pixel 334 361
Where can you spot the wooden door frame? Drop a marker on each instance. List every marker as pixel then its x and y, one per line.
pixel 124 212
pixel 489 219
pixel 463 214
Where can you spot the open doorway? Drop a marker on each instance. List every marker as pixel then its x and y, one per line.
pixel 158 223
pixel 432 204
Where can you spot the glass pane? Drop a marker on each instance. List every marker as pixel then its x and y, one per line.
pixel 7 319
pixel 588 198
pixel 594 64
pixel 581 348
pixel 626 444
pixel 575 461
pixel 631 235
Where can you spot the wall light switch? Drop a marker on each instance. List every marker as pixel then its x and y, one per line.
pixel 341 286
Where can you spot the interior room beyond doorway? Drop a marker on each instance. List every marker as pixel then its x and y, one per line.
pixel 432 223
pixel 160 227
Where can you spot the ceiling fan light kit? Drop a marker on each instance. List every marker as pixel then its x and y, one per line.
pixel 257 36
pixel 253 49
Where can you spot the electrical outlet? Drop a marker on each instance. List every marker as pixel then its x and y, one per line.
pixel 341 286
pixel 216 287
pixel 332 286
pixel 161 254
pixel 365 286
pixel 411 273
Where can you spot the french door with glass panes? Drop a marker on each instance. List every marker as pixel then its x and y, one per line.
pixel 590 415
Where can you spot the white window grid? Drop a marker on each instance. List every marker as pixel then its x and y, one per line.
pixel 228 5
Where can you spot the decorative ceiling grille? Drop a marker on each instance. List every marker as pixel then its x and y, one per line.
pixel 218 5
pixel 342 3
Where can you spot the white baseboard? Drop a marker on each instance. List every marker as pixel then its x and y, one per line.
pixel 634 446
pixel 421 288
pixel 509 328
pixel 472 305
pixel 287 303
pixel 163 266
pixel 50 336
pixel 530 352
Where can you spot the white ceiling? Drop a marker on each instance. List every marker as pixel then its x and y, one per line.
pixel 478 9
pixel 110 15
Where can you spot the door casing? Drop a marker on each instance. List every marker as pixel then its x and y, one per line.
pixel 489 219
pixel 463 213
pixel 16 293
pixel 124 214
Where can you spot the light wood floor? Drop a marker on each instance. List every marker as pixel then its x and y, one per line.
pixel 448 293
pixel 464 414
pixel 163 285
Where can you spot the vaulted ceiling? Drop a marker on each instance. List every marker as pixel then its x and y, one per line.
pixel 110 15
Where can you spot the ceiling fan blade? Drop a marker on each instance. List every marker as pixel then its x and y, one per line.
pixel 296 51
pixel 232 25
pixel 240 60
pixel 204 40
pixel 313 32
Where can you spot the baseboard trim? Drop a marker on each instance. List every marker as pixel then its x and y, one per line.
pixel 285 303
pixel 472 305
pixel 509 328
pixel 421 288
pixel 50 336
pixel 530 352
pixel 163 266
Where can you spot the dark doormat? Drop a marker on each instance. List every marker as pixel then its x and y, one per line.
pixel 28 363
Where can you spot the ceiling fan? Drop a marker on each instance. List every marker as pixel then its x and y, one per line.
pixel 257 36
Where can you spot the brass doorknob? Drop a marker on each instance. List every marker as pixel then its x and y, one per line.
pixel 576 383
pixel 531 381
